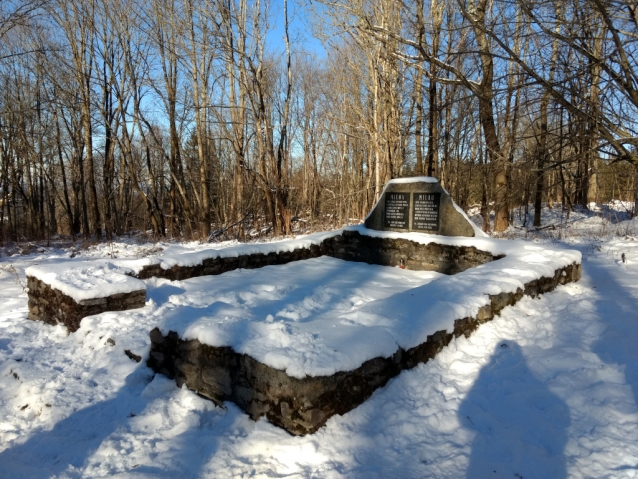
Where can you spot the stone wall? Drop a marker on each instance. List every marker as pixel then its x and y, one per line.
pixel 352 246
pixel 302 406
pixel 52 306
pixel 349 246
pixel 214 266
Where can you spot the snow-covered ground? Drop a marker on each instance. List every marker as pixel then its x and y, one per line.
pixel 314 317
pixel 547 390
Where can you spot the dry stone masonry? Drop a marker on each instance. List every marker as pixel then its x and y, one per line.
pixel 53 306
pixel 349 246
pixel 301 405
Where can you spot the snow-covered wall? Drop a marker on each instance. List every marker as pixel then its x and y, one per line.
pixel 53 306
pixel 405 319
pixel 299 373
pixel 96 283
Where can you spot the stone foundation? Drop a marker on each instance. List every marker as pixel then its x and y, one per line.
pixel 214 266
pixel 447 259
pixel 52 306
pixel 302 406
pixel 349 246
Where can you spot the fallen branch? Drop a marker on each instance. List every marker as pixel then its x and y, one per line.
pixel 540 228
pixel 218 233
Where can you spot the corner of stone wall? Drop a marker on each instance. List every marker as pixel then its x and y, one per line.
pixel 302 406
pixel 52 306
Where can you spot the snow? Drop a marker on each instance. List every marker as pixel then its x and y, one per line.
pixel 413 179
pixel 86 281
pixel 309 322
pixel 548 389
pixel 175 257
pixel 98 278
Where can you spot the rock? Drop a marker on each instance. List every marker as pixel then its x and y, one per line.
pixel 52 306
pixel 353 246
pixel 418 204
pixel 132 356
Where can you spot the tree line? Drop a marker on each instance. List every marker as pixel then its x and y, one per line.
pixel 213 118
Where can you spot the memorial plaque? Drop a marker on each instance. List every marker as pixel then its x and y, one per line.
pixel 418 204
pixel 425 216
pixel 397 210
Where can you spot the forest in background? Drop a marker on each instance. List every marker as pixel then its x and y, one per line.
pixel 206 119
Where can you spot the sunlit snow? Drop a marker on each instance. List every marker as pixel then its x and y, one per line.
pixel 548 389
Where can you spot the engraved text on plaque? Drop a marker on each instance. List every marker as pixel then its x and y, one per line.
pixel 397 210
pixel 425 216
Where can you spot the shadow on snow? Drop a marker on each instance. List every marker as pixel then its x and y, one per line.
pixel 521 426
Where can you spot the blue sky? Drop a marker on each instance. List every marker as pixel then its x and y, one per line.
pixel 299 13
